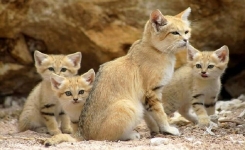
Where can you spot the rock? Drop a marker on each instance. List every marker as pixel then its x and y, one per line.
pixel 104 30
pixel 159 141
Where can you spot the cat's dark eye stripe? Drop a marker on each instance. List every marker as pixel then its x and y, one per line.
pixel 81 92
pixel 175 33
pixel 51 69
pixel 68 93
pixel 63 69
pixel 198 66
pixel 210 66
pixel 186 32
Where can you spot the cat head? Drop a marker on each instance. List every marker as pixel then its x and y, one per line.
pixel 63 65
pixel 168 34
pixel 73 90
pixel 208 64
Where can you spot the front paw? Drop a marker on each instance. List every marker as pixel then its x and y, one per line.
pixel 204 121
pixel 54 132
pixel 171 130
pixel 67 130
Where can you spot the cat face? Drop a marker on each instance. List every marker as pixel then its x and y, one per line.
pixel 73 90
pixel 169 33
pixel 208 64
pixel 63 65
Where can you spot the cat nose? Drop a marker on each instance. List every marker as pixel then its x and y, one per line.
pixel 75 100
pixel 185 40
pixel 203 72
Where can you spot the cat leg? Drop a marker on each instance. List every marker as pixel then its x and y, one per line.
pixel 185 112
pixel 65 123
pixel 199 109
pixel 210 106
pixel 59 138
pixel 155 109
pixel 151 124
pixel 120 121
pixel 49 119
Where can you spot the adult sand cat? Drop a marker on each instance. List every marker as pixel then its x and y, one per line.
pixel 128 87
pixel 72 93
pixel 196 85
pixel 42 111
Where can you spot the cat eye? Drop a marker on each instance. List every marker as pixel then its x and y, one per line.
pixel 210 66
pixel 51 69
pixel 186 32
pixel 198 66
pixel 175 33
pixel 63 69
pixel 68 93
pixel 81 92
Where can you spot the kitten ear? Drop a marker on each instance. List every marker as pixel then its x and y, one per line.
pixel 184 14
pixel 157 20
pixel 89 76
pixel 75 58
pixel 56 81
pixel 39 57
pixel 222 53
pixel 191 52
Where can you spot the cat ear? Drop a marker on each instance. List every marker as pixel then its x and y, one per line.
pixel 56 81
pixel 184 14
pixel 222 53
pixel 39 57
pixel 75 58
pixel 89 76
pixel 191 52
pixel 157 20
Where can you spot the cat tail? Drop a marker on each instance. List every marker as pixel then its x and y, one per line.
pixel 59 138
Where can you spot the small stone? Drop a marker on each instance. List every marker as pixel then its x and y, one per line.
pixel 159 141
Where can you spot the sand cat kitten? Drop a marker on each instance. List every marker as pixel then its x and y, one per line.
pixel 196 85
pixel 42 111
pixel 126 88
pixel 72 93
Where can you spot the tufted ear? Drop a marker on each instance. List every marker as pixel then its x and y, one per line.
pixel 39 57
pixel 184 14
pixel 89 76
pixel 56 81
pixel 222 53
pixel 191 52
pixel 75 58
pixel 157 20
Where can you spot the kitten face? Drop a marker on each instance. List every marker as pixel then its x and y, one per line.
pixel 73 90
pixel 64 65
pixel 208 64
pixel 170 33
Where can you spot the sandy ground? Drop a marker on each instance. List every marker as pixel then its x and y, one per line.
pixel 230 134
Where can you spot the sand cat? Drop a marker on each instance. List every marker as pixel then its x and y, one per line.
pixel 126 88
pixel 196 85
pixel 72 93
pixel 42 111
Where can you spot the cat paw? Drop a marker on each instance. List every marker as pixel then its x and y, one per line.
pixel 67 130
pixel 54 132
pixel 204 122
pixel 49 142
pixel 134 136
pixel 171 130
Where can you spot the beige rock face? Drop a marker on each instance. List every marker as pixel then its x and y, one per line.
pixel 102 30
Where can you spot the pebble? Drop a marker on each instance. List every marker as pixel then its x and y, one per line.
pixel 159 141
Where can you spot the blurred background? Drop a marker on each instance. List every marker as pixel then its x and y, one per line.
pixel 104 30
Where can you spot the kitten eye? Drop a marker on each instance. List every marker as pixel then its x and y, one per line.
pixel 81 92
pixel 210 66
pixel 175 33
pixel 68 93
pixel 51 69
pixel 63 69
pixel 186 32
pixel 198 66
